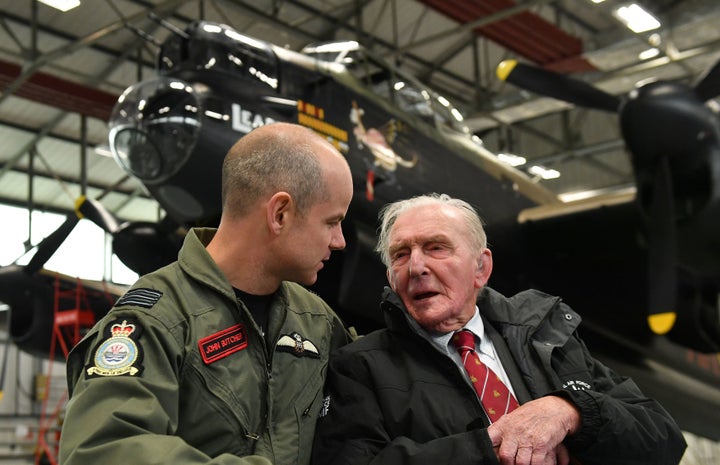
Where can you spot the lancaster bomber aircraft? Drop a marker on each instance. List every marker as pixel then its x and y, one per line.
pixel 643 271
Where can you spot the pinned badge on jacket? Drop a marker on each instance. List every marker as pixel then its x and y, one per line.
pixel 295 344
pixel 119 354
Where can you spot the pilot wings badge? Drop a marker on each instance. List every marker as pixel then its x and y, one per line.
pixel 295 344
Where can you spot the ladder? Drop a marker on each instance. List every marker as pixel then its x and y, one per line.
pixel 71 315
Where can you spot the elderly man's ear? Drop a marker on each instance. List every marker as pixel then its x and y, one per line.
pixel 484 268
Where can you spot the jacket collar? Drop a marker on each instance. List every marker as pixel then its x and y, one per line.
pixel 197 262
pixel 396 315
pixel 527 308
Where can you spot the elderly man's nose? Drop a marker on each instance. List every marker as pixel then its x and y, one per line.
pixel 417 263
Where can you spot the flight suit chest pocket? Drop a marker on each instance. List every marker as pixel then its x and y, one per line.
pixel 307 417
pixel 307 411
pixel 223 401
pixel 296 392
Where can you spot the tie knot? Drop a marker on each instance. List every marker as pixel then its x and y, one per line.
pixel 464 339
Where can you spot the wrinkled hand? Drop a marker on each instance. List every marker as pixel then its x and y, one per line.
pixel 533 433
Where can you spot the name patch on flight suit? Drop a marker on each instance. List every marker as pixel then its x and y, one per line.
pixel 119 354
pixel 220 345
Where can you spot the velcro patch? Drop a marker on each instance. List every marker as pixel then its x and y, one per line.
pixel 140 297
pixel 220 345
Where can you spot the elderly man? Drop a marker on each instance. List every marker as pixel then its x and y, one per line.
pixel 442 383
pixel 220 357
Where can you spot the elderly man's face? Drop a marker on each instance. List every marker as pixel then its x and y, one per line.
pixel 434 268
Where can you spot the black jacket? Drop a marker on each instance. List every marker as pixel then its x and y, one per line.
pixel 395 398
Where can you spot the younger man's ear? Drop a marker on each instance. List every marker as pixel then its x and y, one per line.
pixel 278 209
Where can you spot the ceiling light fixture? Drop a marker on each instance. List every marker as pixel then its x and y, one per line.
pixel 544 173
pixel 511 159
pixel 62 5
pixel 636 18
pixel 649 53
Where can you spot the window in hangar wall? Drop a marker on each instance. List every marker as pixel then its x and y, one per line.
pixel 86 253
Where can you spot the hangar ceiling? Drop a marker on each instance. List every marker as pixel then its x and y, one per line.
pixel 60 74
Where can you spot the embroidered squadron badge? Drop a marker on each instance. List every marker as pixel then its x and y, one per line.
pixel 119 354
pixel 295 344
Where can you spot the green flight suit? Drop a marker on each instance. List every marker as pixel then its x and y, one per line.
pixel 179 373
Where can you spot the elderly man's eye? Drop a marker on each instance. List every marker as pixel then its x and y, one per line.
pixel 398 256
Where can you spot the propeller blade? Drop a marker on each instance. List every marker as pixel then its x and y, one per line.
pixel 97 213
pixel 141 246
pixel 48 246
pixel 84 208
pixel 709 85
pixel 662 277
pixel 559 86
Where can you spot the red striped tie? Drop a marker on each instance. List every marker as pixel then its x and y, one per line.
pixel 494 395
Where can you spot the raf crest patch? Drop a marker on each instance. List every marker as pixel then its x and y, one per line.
pixel 119 354
pixel 140 297
pixel 220 345
pixel 295 344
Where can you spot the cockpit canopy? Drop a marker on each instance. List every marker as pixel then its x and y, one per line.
pixel 390 82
